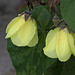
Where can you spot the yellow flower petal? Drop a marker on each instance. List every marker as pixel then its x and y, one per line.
pixel 50 35
pixel 28 31
pixel 71 42
pixel 16 41
pixel 15 27
pixel 62 45
pixel 34 40
pixel 50 48
pixel 12 23
pixel 74 37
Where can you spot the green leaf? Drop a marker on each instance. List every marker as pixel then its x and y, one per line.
pixel 59 68
pixel 32 61
pixel 42 16
pixel 29 61
pixel 68 12
pixel 54 69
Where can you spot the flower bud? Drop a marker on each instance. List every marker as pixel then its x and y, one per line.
pixel 21 32
pixel 59 44
pixel 56 20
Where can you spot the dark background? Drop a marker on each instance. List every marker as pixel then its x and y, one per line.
pixel 8 10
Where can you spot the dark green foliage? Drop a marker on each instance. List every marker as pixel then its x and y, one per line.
pixel 58 68
pixel 68 12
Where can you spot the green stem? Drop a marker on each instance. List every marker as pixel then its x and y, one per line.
pixel 58 24
pixel 61 21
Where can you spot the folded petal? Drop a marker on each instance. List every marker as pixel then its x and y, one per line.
pixel 16 27
pixel 62 45
pixel 34 40
pixel 12 23
pixel 27 33
pixel 71 43
pixel 50 48
pixel 16 41
pixel 50 35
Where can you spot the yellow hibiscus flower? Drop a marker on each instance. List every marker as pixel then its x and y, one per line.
pixel 21 32
pixel 59 44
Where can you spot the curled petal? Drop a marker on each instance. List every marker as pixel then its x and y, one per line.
pixel 50 49
pixel 14 28
pixel 50 35
pixel 12 23
pixel 16 41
